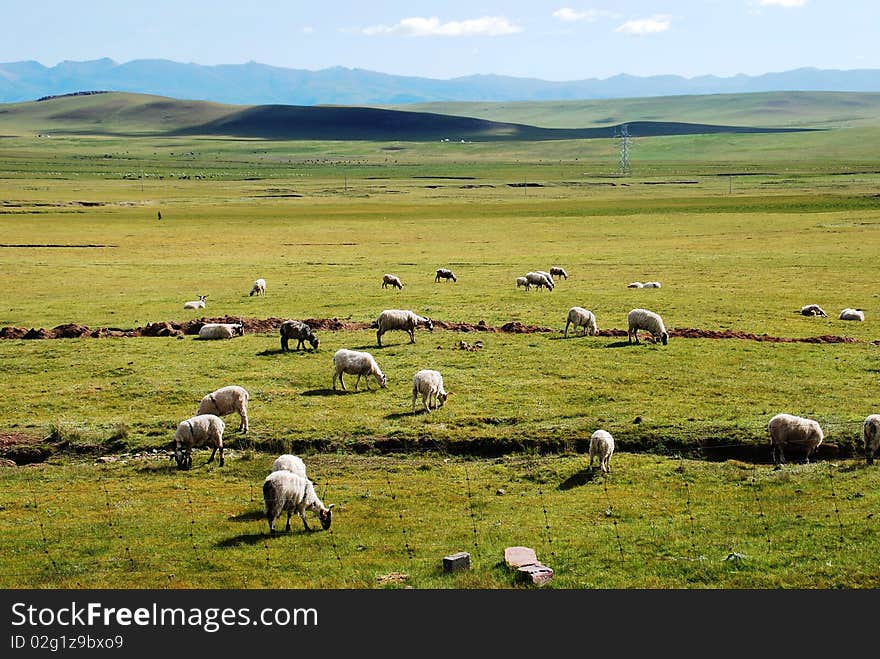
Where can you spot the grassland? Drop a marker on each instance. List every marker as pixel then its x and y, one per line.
pixel 741 229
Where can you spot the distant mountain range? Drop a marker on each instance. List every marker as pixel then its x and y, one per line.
pixel 253 83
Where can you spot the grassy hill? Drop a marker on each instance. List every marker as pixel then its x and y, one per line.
pixel 136 114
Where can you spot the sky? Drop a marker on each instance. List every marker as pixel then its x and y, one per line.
pixel 550 40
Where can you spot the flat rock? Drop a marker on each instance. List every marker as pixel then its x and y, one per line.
pixel 536 574
pixel 458 561
pixel 518 556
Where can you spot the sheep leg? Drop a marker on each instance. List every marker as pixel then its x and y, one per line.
pixel 426 401
pixel 414 396
pixel 412 336
pixel 211 459
pixel 379 337
pixel 358 381
pixel 566 328
pixel 283 343
pixel 221 456
pixel 287 526
pixel 302 514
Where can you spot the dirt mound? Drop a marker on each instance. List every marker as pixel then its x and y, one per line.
pixel 269 325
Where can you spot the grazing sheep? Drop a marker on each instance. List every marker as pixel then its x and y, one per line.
pixel 601 446
pixel 215 331
pixel 547 275
pixel 871 435
pixel 196 304
pixel 642 319
pixel 522 281
pixel 391 280
pixel 429 384
pixel 286 491
pixel 259 287
pixel 401 319
pixel 580 317
pixel 852 314
pixel 202 430
pixel 446 275
pixel 790 430
pixel 651 284
pixel 813 310
pixel 556 271
pixel 290 463
pixel 296 329
pixel 635 284
pixel 227 400
pixel 539 280
pixel 362 364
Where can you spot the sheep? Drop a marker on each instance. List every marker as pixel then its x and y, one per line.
pixel 291 463
pixel 259 287
pixel 539 280
pixel 601 446
pixel 286 491
pixel 556 271
pixel 580 317
pixel 813 310
pixel 635 284
pixel 202 430
pixel 871 436
pixel 852 314
pixel 547 275
pixel 401 319
pixel 787 429
pixel 445 274
pixel 227 400
pixel 296 329
pixel 651 284
pixel 642 319
pixel 522 281
pixel 215 331
pixel 362 364
pixel 196 304
pixel 391 280
pixel 429 384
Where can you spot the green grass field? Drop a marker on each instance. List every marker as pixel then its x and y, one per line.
pixel 742 230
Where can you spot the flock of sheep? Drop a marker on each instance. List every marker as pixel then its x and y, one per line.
pixel 288 489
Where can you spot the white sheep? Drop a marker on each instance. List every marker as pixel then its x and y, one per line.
pixel 196 304
pixel 428 384
pixel 202 430
pixel 556 271
pixel 601 446
pixel 286 491
pixel 302 332
pixel 635 284
pixel 642 319
pixel 813 310
pixel 391 280
pixel 871 436
pixel 291 463
pixel 216 331
pixel 580 317
pixel 539 280
pixel 852 314
pixel 547 275
pixel 259 287
pixel 353 362
pixel 227 400
pixel 522 281
pixel 651 284
pixel 401 319
pixel 444 274
pixel 790 430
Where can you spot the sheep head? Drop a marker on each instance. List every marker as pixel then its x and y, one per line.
pixel 314 341
pixel 326 516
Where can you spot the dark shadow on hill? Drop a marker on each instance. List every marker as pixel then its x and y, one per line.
pixel 244 539
pixel 580 478
pixel 323 392
pixel 292 122
pixel 618 344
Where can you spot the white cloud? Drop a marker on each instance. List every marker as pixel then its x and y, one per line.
pixel 642 26
pixel 417 26
pixel 782 3
pixel 308 29
pixel 570 15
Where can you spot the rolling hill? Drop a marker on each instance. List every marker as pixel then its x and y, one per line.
pixel 115 113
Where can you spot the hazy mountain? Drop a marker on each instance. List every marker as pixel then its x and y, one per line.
pixel 254 83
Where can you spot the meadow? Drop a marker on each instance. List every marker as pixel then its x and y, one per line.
pixel 741 230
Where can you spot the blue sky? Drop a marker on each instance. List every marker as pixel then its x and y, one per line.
pixel 564 40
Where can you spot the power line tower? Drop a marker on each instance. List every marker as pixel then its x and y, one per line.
pixel 624 140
